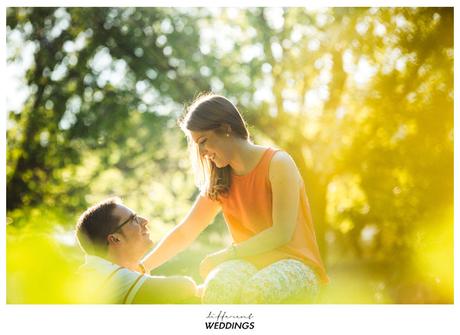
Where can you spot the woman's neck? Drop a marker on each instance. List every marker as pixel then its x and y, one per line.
pixel 246 157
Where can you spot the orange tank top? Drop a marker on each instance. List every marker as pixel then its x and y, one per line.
pixel 247 210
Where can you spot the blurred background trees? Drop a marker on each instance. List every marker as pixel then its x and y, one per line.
pixel 362 98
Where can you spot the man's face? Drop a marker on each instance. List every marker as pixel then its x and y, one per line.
pixel 134 235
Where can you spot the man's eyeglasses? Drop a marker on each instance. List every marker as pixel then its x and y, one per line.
pixel 132 217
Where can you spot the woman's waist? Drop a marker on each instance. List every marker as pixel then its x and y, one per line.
pixel 288 252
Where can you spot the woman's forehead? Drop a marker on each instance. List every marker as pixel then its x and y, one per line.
pixel 196 135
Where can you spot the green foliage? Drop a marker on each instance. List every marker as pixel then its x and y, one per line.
pixel 98 76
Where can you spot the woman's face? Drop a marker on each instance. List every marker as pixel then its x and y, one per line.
pixel 214 146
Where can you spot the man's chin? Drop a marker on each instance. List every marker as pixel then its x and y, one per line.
pixel 149 243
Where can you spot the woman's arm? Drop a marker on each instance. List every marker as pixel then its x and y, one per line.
pixel 285 183
pixel 182 235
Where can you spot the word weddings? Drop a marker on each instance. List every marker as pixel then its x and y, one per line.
pixel 222 320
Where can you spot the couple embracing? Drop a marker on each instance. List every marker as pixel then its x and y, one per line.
pixel 274 257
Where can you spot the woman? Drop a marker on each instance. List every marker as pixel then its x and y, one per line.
pixel 274 256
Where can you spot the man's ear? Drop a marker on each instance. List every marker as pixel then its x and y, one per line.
pixel 113 239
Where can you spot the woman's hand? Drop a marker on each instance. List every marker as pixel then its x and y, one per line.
pixel 199 290
pixel 212 260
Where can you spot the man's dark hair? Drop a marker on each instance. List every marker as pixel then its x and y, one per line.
pixel 95 224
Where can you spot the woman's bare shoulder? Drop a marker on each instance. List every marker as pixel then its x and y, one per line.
pixel 282 164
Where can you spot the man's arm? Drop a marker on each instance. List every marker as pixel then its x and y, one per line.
pixel 167 290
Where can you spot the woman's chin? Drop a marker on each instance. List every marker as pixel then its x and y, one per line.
pixel 220 165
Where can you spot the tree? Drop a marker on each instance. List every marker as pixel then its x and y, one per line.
pixel 97 75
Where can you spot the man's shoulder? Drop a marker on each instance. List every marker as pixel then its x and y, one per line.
pixel 104 267
pixel 97 264
pixel 112 281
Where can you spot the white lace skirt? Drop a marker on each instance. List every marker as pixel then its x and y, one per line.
pixel 239 282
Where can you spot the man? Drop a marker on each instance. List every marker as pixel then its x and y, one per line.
pixel 114 238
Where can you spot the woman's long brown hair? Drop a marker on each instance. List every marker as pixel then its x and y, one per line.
pixel 211 112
